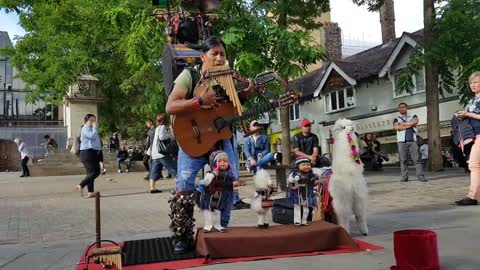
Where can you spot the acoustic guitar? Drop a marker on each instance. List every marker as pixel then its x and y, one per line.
pixel 197 133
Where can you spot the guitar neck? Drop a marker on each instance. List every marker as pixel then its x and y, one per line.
pixel 260 109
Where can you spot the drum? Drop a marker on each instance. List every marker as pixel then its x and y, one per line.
pixel 175 58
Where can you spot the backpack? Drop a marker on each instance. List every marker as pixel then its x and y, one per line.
pixel 176 58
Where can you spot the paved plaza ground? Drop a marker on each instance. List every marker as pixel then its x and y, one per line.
pixel 44 224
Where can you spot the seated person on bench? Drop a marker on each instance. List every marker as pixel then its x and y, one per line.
pixel 257 148
pixel 123 156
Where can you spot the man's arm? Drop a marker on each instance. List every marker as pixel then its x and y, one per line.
pixel 246 148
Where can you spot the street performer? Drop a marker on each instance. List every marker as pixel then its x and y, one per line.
pixel 183 100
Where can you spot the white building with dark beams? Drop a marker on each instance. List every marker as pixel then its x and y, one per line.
pixel 362 88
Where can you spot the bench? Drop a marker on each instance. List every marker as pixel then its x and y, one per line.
pixel 280 175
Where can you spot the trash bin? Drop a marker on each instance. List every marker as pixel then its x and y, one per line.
pixel 416 250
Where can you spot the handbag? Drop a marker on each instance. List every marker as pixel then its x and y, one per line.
pixel 76 146
pixel 168 146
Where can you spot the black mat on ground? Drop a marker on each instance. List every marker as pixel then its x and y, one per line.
pixel 152 251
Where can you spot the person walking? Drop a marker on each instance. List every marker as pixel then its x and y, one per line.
pixel 162 134
pixel 25 156
pixel 89 154
pixel 406 126
pixel 472 113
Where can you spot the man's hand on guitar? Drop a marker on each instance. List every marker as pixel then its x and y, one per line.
pixel 209 99
pixel 250 88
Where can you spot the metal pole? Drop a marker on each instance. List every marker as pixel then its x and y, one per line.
pixel 97 219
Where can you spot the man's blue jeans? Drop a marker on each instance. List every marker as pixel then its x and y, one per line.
pixel 262 163
pixel 188 168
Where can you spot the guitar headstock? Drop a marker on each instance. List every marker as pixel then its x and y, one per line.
pixel 288 98
pixel 263 78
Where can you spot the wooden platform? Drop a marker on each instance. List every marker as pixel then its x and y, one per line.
pixel 277 240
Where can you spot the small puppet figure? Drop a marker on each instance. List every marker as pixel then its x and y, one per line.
pixel 301 192
pixel 216 191
pixel 261 203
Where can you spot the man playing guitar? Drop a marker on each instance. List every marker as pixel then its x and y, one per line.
pixel 183 100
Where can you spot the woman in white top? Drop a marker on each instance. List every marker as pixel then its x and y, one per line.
pixel 162 133
pixel 25 155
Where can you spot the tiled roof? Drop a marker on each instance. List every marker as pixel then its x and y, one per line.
pixel 359 66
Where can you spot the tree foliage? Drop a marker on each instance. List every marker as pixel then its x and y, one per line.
pixel 121 44
pixel 116 41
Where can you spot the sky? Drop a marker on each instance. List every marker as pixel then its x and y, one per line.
pixel 356 22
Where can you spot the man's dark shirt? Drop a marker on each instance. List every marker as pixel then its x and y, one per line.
pixel 409 132
pixel 122 154
pixel 306 143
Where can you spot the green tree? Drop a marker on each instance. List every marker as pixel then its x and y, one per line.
pixel 272 35
pixel 116 41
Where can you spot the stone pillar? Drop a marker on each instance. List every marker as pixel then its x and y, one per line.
pixel 332 40
pixel 387 21
pixel 81 99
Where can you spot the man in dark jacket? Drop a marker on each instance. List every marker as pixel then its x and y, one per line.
pixel 123 156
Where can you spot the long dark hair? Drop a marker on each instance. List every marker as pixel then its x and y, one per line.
pixel 87 116
pixel 212 42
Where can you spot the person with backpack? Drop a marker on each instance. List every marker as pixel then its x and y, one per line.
pixel 161 154
pixel 89 154
pixel 182 100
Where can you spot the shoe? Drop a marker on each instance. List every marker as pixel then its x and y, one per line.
pixel 80 189
pixel 90 195
pixel 422 179
pixel 182 247
pixel 147 177
pixel 240 205
pixel 126 171
pixel 261 226
pixel 404 179
pixel 119 171
pixel 155 191
pixel 297 224
pixel 466 202
pixel 22 175
pixel 104 171
pixel 169 176
pixel 266 225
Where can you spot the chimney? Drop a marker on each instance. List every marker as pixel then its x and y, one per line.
pixel 387 21
pixel 332 40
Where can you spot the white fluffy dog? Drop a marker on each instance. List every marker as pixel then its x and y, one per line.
pixel 347 184
pixel 263 190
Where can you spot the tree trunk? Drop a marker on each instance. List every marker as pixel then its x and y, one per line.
pixel 284 112
pixel 431 80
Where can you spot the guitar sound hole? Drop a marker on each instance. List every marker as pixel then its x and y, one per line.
pixel 219 123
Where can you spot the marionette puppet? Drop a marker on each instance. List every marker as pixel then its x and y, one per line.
pixel 215 191
pixel 301 193
pixel 261 202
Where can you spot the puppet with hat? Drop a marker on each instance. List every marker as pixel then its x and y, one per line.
pixel 215 191
pixel 301 193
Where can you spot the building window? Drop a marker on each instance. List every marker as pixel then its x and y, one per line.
pixel 418 81
pixel 340 100
pixel 294 112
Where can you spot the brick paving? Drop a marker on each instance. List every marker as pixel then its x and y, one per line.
pixel 44 222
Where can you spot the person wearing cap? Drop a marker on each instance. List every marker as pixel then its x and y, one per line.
pixel 305 144
pixel 257 148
